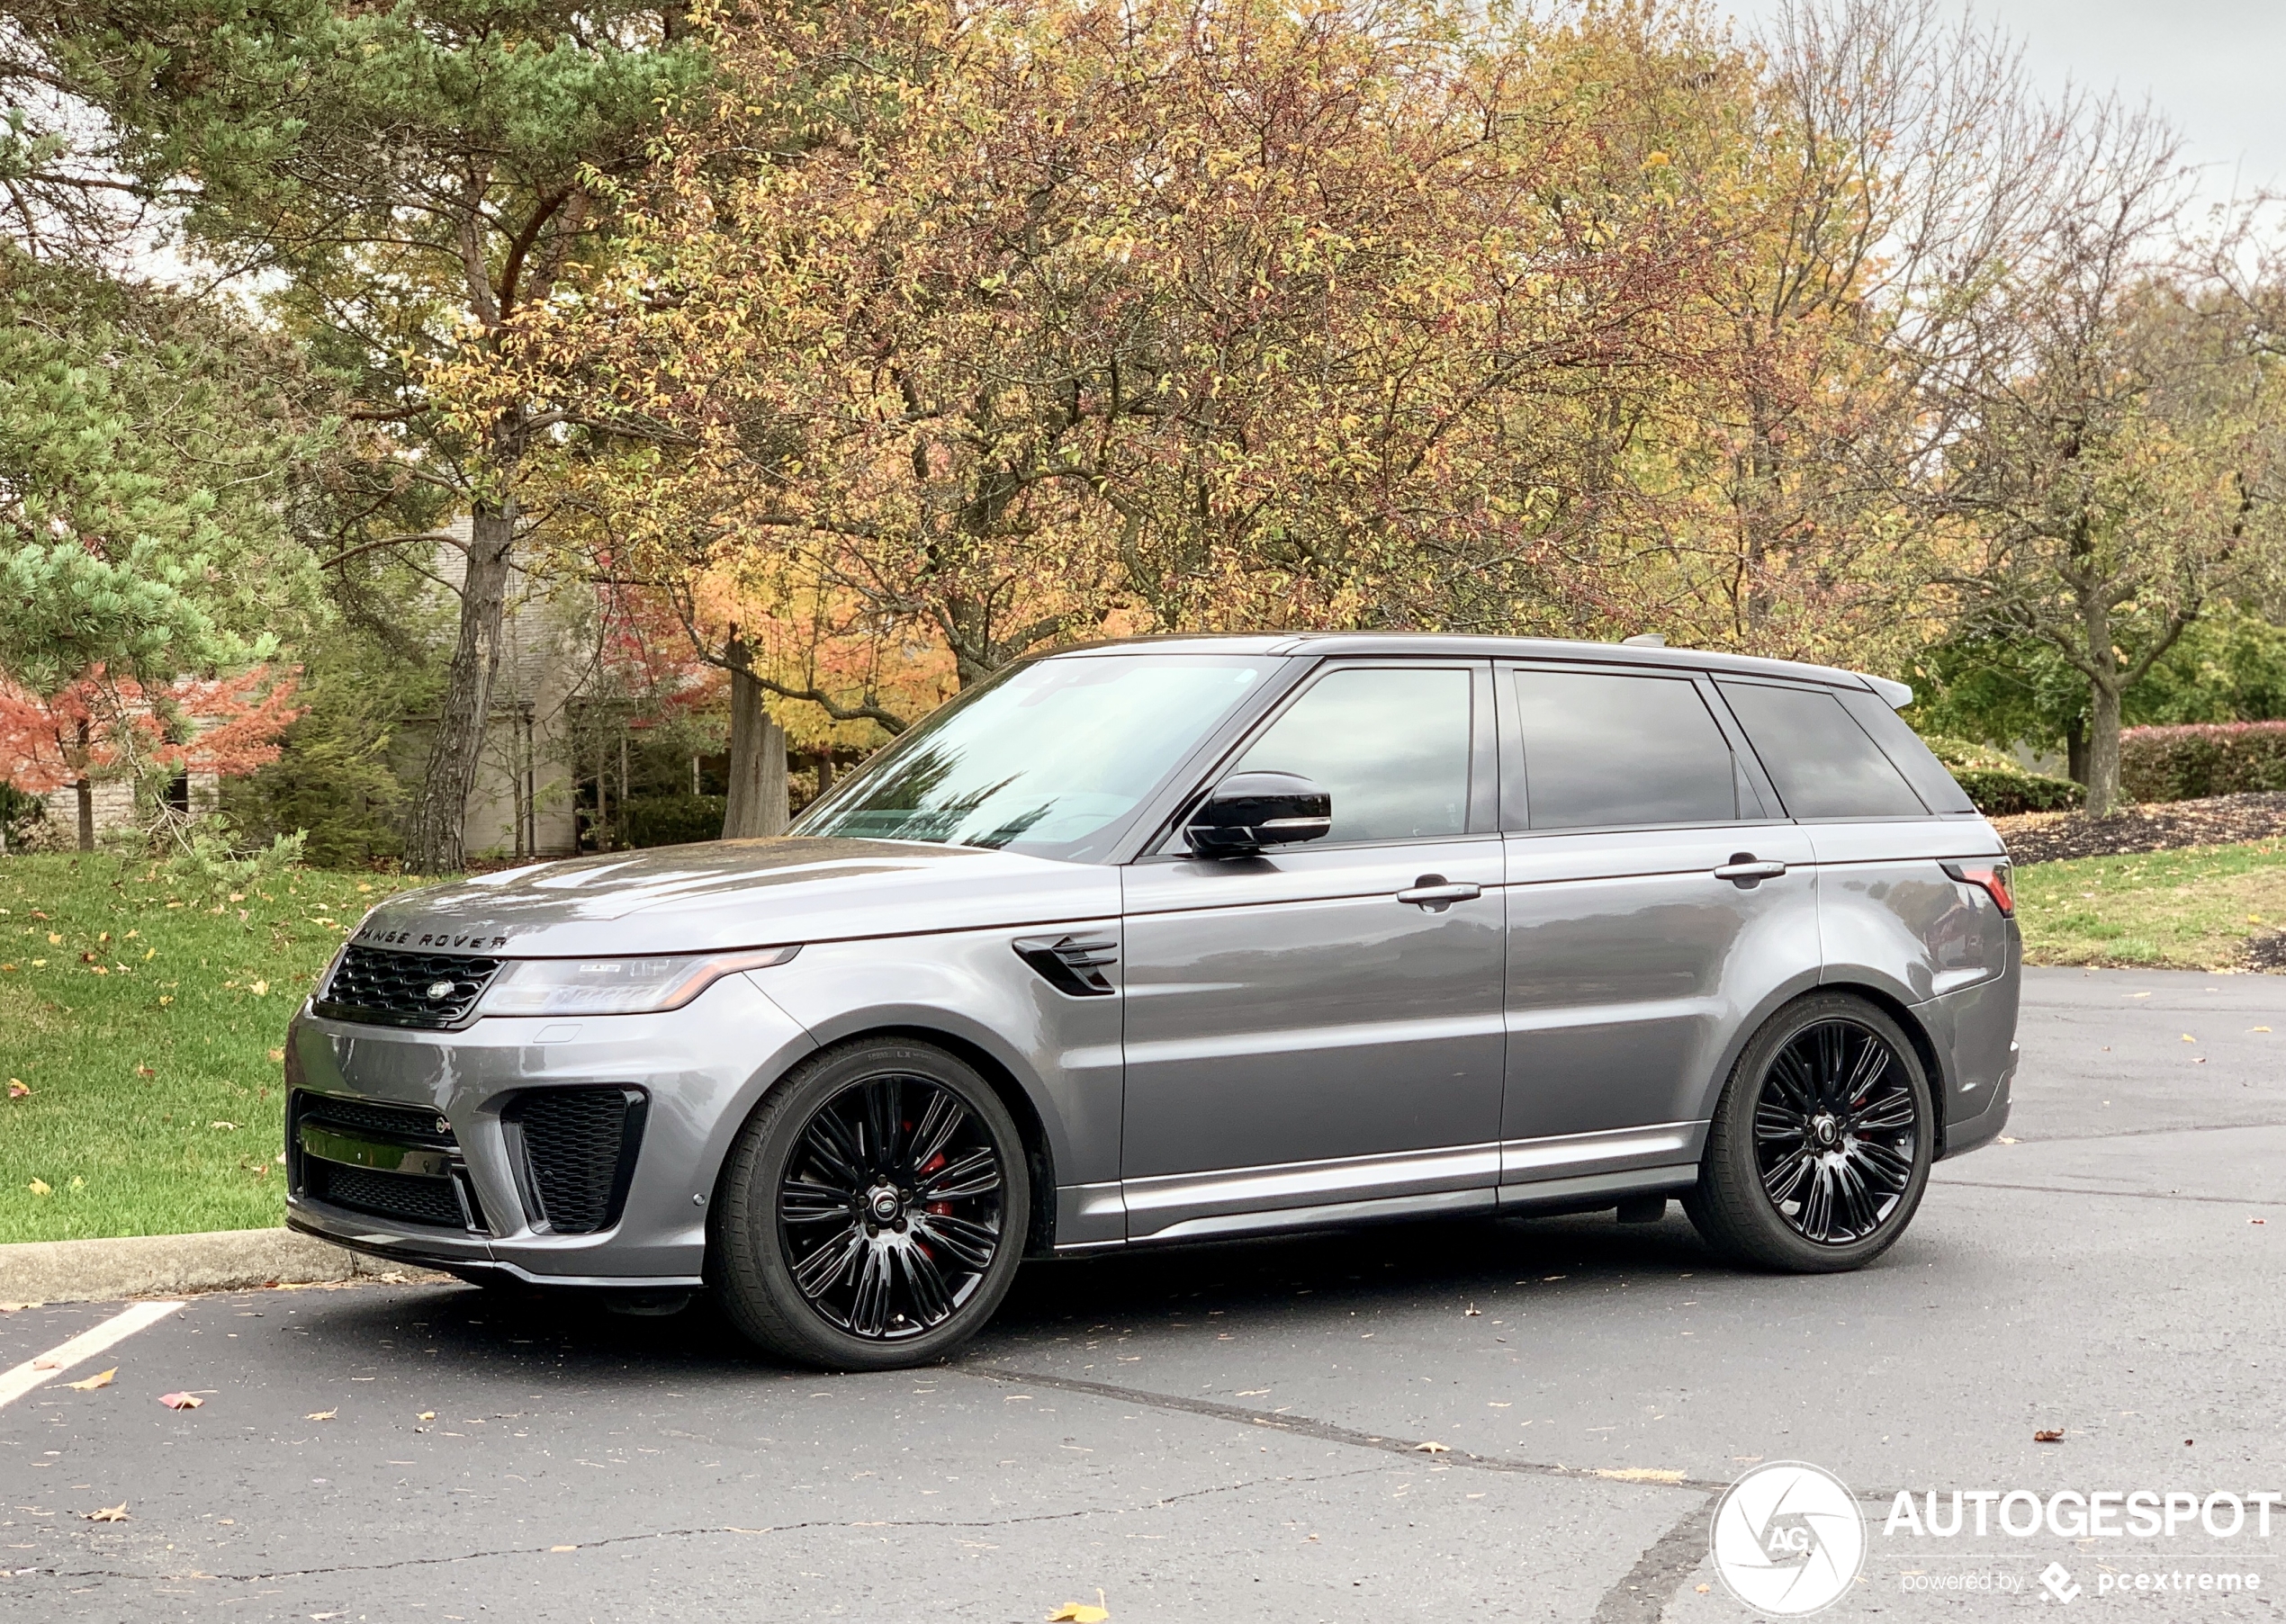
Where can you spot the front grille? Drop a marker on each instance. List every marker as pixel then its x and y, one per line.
pixel 576 1150
pixel 389 1195
pixel 363 1131
pixel 379 987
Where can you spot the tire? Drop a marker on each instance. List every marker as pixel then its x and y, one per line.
pixel 872 1214
pixel 1821 1144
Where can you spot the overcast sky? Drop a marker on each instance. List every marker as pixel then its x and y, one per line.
pixel 2216 67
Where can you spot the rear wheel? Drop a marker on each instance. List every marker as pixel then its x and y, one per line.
pixel 1821 1145
pixel 872 1212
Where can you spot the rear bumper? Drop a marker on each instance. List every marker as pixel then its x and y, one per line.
pixel 1974 1031
pixel 701 1067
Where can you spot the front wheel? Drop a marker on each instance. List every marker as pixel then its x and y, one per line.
pixel 873 1210
pixel 1821 1145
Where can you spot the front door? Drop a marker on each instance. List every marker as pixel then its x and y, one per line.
pixel 1320 1026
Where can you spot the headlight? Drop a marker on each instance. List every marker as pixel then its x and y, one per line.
pixel 615 986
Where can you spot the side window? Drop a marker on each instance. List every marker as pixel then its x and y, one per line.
pixel 1602 751
pixel 1390 745
pixel 1824 764
pixel 1927 774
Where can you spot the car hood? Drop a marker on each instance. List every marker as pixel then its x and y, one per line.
pixel 739 893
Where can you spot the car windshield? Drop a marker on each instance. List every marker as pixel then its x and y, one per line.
pixel 1045 758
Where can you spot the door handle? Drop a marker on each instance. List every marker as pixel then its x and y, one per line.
pixel 1746 871
pixel 1435 893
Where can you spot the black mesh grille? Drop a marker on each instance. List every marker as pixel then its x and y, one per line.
pixel 379 987
pixel 578 1151
pixel 412 1124
pixel 387 1194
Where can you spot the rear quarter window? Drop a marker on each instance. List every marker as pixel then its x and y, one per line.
pixel 1823 762
pixel 1922 769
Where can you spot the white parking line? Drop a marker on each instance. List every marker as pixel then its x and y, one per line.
pixel 42 1368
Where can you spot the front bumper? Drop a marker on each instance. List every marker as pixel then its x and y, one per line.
pixel 700 1068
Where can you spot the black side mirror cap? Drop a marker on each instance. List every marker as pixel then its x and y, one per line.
pixel 1249 811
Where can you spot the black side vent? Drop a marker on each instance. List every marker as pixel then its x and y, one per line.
pixel 1071 963
pixel 574 1150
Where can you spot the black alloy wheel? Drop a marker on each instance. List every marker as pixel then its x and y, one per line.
pixel 890 1209
pixel 1821 1144
pixel 1835 1129
pixel 874 1209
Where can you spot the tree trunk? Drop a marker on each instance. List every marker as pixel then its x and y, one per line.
pixel 2104 749
pixel 757 802
pixel 435 843
pixel 2075 751
pixel 85 793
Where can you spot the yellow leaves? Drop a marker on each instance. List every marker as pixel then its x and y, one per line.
pixel 18 1088
pixel 223 1127
pixel 321 1415
pixel 181 1401
pixel 101 1379
pixel 40 1187
pixel 259 989
pixel 55 939
pixel 1432 1448
pixel 277 1056
pixel 1080 1613
pixel 109 1514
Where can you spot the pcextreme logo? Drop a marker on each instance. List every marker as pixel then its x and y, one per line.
pixel 1788 1538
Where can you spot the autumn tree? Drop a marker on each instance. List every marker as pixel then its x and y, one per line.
pixel 413 175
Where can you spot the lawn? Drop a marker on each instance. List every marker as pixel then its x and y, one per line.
pixel 2190 910
pixel 143 1009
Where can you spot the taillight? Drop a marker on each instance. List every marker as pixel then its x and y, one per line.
pixel 1992 878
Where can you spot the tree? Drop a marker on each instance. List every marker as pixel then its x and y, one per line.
pixel 2118 460
pixel 417 174
pixel 988 328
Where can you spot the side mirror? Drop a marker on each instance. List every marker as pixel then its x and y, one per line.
pixel 1249 811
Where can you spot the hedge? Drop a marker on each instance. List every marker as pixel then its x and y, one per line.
pixel 672 820
pixel 2202 759
pixel 1998 785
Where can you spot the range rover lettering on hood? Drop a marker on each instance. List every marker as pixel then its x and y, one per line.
pixel 374 936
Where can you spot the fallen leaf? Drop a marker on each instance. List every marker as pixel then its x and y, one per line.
pixel 1431 1448
pixel 2006 1140
pixel 47 1362
pixel 18 1088
pixel 101 1379
pixel 563 1548
pixel 2254 1220
pixel 40 1187
pixel 321 1415
pixel 1640 1474
pixel 2258 1029
pixel 1471 1314
pixel 181 1401
pixel 1702 1589
pixel 110 1513
pixel 145 1071
pixel 2049 1435
pixel 277 1054
pixel 220 1127
pixel 1079 1612
pixel 55 940
pixel 258 989
pixel 426 1415
pixel 165 999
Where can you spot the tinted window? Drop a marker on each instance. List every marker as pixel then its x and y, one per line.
pixel 1931 781
pixel 1390 746
pixel 1824 764
pixel 1601 751
pixel 1044 758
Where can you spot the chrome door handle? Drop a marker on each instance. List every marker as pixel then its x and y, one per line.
pixel 1745 870
pixel 1435 894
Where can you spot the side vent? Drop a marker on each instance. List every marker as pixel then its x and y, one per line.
pixel 1072 965
pixel 575 1154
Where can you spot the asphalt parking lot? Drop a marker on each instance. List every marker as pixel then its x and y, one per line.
pixel 1238 1431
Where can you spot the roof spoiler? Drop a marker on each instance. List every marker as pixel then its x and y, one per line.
pixel 1898 694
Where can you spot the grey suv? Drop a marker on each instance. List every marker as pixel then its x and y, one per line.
pixel 1173 939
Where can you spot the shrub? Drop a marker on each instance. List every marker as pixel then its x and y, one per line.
pixel 2202 759
pixel 671 820
pixel 1998 785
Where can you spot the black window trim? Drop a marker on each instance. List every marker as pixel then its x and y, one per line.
pixel 1483 755
pixel 1515 808
pixel 1760 681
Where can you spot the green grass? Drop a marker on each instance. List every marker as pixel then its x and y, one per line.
pixel 2190 910
pixel 144 1012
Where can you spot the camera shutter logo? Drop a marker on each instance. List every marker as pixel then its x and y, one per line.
pixel 1788 1538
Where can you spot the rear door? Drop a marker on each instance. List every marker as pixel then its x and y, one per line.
pixel 1320 1026
pixel 1656 896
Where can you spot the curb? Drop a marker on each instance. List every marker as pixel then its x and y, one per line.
pixel 133 1266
